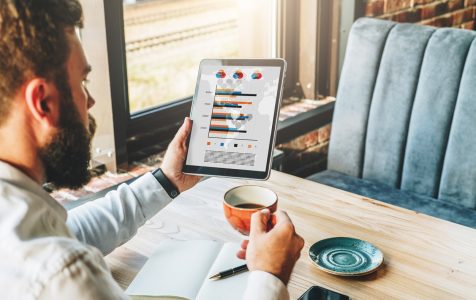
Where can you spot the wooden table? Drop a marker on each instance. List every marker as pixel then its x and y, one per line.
pixel 425 257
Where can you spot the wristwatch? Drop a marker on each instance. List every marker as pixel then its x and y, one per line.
pixel 168 186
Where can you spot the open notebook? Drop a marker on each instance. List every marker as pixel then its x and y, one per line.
pixel 180 270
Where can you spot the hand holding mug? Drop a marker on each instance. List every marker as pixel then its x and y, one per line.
pixel 276 251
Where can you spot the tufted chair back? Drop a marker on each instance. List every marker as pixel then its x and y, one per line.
pixel 405 113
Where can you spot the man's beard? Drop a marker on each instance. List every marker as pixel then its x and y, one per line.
pixel 66 157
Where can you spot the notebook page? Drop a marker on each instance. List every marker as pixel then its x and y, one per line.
pixel 176 269
pixel 228 288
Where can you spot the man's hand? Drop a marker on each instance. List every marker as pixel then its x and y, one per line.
pixel 276 251
pixel 175 158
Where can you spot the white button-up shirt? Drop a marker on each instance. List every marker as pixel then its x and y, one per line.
pixel 48 253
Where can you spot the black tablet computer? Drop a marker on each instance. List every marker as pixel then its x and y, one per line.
pixel 235 112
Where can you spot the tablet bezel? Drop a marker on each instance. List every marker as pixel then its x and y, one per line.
pixel 236 173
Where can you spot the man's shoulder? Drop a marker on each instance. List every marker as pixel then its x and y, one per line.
pixel 80 273
pixel 36 262
pixel 53 253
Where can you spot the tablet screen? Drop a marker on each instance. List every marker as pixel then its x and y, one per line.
pixel 233 116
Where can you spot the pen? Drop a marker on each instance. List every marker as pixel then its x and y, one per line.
pixel 230 272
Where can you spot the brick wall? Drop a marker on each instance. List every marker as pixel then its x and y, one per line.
pixel 306 154
pixel 439 13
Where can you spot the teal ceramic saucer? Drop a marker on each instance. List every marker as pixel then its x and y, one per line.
pixel 346 256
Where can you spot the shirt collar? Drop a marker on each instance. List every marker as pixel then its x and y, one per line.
pixel 14 176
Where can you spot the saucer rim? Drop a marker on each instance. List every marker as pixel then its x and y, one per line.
pixel 346 274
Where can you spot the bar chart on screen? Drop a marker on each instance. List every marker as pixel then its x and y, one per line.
pixel 231 113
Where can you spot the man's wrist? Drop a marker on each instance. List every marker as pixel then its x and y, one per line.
pixel 166 183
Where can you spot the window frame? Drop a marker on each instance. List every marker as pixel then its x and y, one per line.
pixel 166 118
pixel 155 127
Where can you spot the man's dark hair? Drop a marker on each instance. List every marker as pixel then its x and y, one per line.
pixel 33 43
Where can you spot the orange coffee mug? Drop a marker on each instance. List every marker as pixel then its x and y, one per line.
pixel 242 201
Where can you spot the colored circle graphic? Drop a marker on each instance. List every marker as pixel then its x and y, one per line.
pixel 238 74
pixel 220 74
pixel 256 75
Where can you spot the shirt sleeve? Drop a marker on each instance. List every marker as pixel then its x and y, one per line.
pixel 265 286
pixel 108 222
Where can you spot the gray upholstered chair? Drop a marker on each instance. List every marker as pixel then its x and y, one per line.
pixel 404 125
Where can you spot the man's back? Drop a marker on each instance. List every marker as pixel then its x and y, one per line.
pixel 39 257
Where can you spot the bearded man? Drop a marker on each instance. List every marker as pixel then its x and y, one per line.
pixel 45 136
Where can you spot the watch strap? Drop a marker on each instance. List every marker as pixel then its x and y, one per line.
pixel 168 186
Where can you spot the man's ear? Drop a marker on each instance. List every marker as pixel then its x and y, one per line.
pixel 42 100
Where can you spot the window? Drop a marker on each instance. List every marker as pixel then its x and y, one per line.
pixel 166 40
pixel 145 56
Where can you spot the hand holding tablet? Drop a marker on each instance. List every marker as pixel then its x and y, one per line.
pixel 235 112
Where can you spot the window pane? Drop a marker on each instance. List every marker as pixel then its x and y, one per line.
pixel 167 39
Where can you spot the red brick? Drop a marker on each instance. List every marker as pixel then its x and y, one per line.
pixel 441 8
pixel 469 3
pixel 468 25
pixel 321 148
pixel 420 2
pixel 414 15
pixel 444 21
pixel 455 5
pixel 469 14
pixel 386 17
pixel 428 12
pixel 400 17
pixel 374 8
pixel 379 7
pixel 324 133
pixel 458 19
pixel 462 16
pixel 429 22
pixel 397 5
pixel 311 139
pixel 303 142
pixel 411 16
